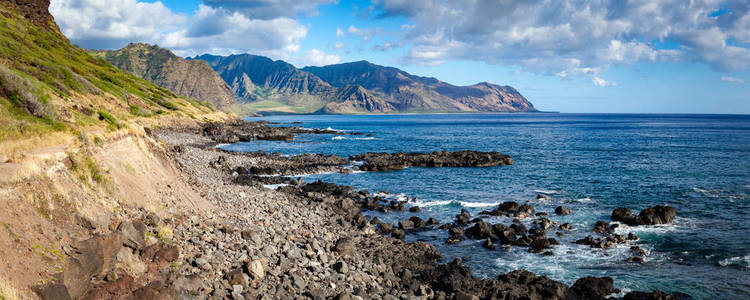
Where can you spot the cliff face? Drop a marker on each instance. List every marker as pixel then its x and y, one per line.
pixel 268 85
pixel 192 78
pixel 36 11
pixel 356 99
pixel 407 92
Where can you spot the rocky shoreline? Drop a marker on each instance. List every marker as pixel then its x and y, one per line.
pixel 302 240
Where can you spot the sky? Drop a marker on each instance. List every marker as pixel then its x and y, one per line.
pixel 616 56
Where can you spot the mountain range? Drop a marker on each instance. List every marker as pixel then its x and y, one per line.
pixel 252 83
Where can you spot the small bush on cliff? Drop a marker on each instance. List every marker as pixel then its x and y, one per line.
pixel 105 116
pixel 21 93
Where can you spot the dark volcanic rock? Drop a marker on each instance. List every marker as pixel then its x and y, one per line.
pixel 480 230
pixel 593 287
pixel 561 210
pixel 659 214
pixel 397 161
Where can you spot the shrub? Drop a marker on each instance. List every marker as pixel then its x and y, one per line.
pixel 20 91
pixel 105 116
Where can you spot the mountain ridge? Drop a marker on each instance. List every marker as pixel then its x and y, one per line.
pixel 191 78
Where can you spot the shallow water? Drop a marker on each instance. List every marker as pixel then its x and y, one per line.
pixel 700 164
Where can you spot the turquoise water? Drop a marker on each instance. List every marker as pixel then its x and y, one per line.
pixel 592 163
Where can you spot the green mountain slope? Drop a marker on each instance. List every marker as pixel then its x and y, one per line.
pixel 267 85
pixel 191 78
pixel 49 86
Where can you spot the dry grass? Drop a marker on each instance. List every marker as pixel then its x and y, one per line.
pixel 8 291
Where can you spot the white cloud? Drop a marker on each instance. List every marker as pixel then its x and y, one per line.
pixel 269 9
pixel 339 45
pixel 574 38
pixel 339 32
pixel 215 30
pixel 601 82
pixel 732 79
pixel 112 24
pixel 365 33
pixel 316 57
pixel 219 31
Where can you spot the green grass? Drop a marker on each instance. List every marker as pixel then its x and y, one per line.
pixel 38 65
pixel 111 120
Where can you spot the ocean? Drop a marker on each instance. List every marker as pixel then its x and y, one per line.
pixel 591 163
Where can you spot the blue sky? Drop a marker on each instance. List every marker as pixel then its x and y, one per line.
pixel 663 56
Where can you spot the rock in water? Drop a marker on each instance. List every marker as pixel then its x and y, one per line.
pixel 594 287
pixel 660 214
pixel 398 234
pixel 480 230
pixel 397 161
pixel 561 210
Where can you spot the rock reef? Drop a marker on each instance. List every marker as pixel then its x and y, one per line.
pixel 397 161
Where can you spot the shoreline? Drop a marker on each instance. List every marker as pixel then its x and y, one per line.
pixel 197 222
pixel 426 279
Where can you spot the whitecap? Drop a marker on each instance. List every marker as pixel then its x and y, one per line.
pixel 584 200
pixel 548 192
pixel 274 186
pixel 420 203
pixel 431 203
pixel 478 204
pixel 338 138
pixel 309 174
pixel 365 138
pixel 742 261
pixel 679 223
pixel 622 293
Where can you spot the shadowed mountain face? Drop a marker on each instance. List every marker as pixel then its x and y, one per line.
pixel 354 88
pixel 192 78
pixel 251 83
pixel 407 92
pixel 265 84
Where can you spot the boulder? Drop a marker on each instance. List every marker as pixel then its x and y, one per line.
pixel 488 244
pixel 344 247
pixel 255 268
pixel 508 206
pixel 594 287
pixel 418 222
pixel 133 234
pixel 398 234
pixel 480 230
pixel 562 211
pixel 624 215
pixel 406 225
pixel 341 267
pixel 52 291
pixel 660 214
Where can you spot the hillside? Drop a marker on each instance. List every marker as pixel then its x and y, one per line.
pixel 408 92
pixel 264 84
pixel 191 78
pixel 52 90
